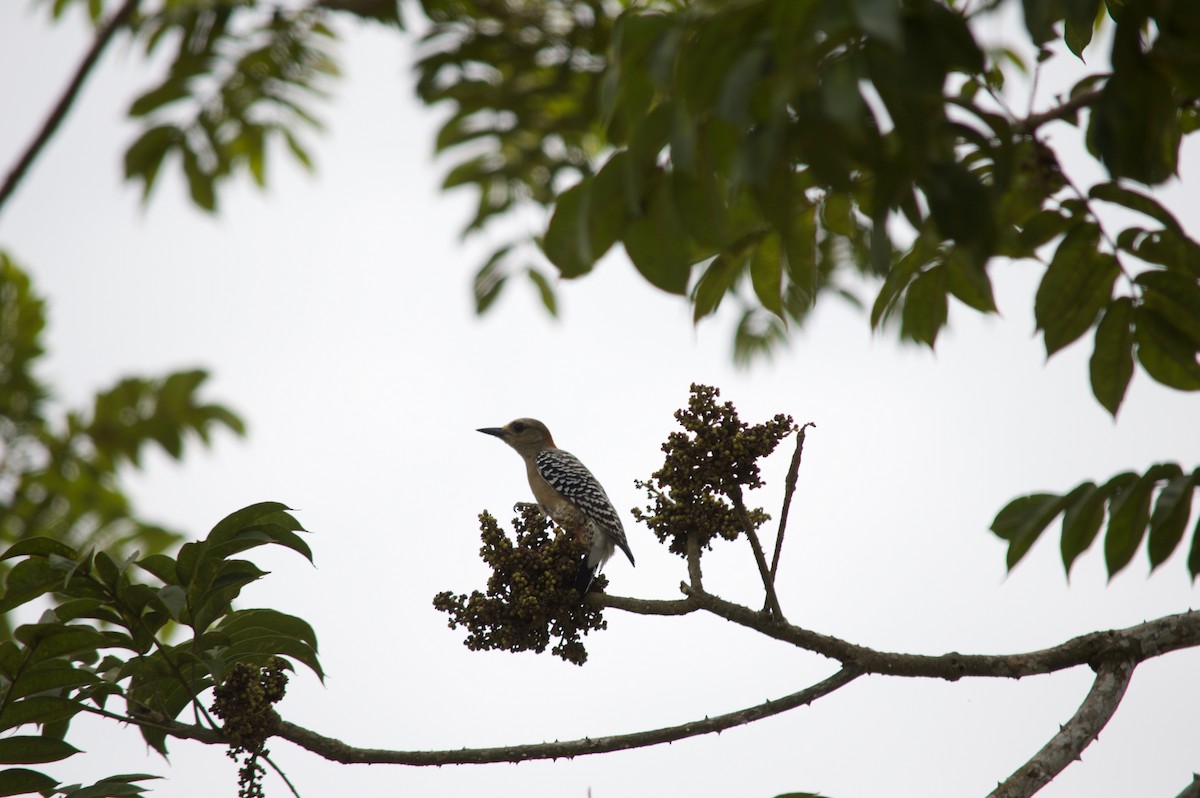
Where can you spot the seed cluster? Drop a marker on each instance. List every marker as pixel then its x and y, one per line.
pixel 713 459
pixel 243 702
pixel 531 598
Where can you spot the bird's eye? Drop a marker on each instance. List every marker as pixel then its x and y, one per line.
pixel 517 427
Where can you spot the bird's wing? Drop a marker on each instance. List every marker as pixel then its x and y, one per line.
pixel 571 478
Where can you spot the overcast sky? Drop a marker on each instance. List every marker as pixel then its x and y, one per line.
pixel 334 312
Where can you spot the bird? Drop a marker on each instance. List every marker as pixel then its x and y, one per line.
pixel 568 493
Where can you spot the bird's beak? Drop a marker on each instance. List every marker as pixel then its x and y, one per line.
pixel 497 431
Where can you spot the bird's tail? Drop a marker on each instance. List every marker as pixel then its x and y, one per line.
pixel 585 576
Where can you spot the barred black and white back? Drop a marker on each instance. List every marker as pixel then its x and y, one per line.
pixel 575 483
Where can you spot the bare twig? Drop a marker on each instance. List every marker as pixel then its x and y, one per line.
pixel 1078 733
pixel 59 112
pixel 788 491
pixel 282 775
pixel 763 569
pixel 338 751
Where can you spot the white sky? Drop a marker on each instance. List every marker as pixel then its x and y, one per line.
pixel 335 314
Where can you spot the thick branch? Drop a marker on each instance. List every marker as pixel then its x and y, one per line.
pixel 1141 642
pixel 338 751
pixel 59 112
pixel 1079 732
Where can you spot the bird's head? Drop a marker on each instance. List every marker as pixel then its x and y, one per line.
pixel 527 435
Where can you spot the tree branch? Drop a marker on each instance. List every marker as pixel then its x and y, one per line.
pixel 59 112
pixel 763 570
pixel 1079 732
pixel 338 751
pixel 788 491
pixel 1138 643
pixel 642 606
pixel 1063 111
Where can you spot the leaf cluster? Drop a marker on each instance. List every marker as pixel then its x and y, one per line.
pixel 108 635
pixel 1154 506
pixel 242 74
pixel 531 598
pixel 767 150
pixel 523 81
pixel 707 466
pixel 62 479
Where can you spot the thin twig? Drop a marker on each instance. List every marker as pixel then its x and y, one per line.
pixel 281 774
pixel 1061 112
pixel 788 491
pixel 1078 733
pixel 59 112
pixel 764 571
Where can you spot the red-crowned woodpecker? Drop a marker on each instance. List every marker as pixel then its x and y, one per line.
pixel 568 493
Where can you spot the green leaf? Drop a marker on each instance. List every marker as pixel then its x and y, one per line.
pixel 201 183
pixel 880 19
pixel 1081 520
pixel 28 580
pixel 50 675
pixel 1166 354
pixel 22 781
pixel 1134 123
pixel 170 91
pixel 38 709
pixel 1194 553
pixel 925 306
pixel 30 750
pixel 1135 201
pixel 961 206
pixel 489 280
pixel 112 787
pixel 1111 364
pixel 658 244
pixel 1175 297
pixel 566 241
pixel 1077 285
pixel 1023 520
pixel 969 282
pixel 766 273
pixel 899 277
pixel 161 566
pixel 173 598
pixel 51 640
pixel 719 277
pixel 1171 513
pixel 39 547
pixel 545 290
pixel 1079 24
pixel 1129 513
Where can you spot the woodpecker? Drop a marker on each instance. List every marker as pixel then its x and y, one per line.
pixel 568 493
